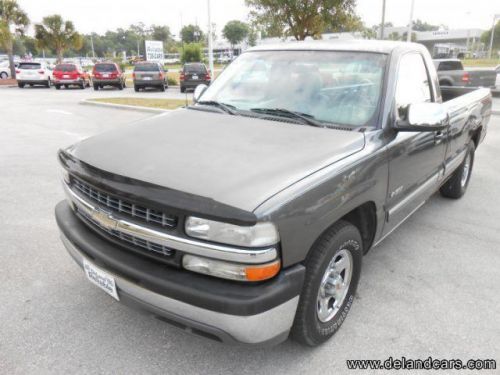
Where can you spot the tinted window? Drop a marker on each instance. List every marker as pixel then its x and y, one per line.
pixel 412 82
pixel 450 65
pixel 105 67
pixel 29 66
pixel 65 67
pixel 146 68
pixel 195 68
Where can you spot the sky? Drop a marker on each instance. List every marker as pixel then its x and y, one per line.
pixel 101 15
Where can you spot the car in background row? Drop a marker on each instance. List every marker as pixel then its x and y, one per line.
pixel 107 74
pixel 451 72
pixel 70 75
pixel 33 73
pixel 5 69
pixel 149 74
pixel 194 74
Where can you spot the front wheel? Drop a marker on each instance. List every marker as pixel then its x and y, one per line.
pixel 456 186
pixel 333 268
pixel 20 85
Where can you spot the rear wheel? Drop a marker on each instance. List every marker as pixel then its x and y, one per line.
pixel 66 86
pixel 456 186
pixel 136 88
pixel 82 85
pixel 120 86
pixel 4 75
pixel 48 84
pixel 58 87
pixel 20 85
pixel 162 88
pixel 183 89
pixel 332 272
pixel 96 87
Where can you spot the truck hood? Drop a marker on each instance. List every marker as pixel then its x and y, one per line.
pixel 235 160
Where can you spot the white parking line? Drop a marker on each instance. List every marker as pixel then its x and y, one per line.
pixel 59 111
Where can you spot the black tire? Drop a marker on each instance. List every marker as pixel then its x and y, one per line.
pixel 342 238
pixel 136 88
pixel 82 86
pixel 162 88
pixel 456 186
pixel 66 86
pixel 96 87
pixel 120 86
pixel 58 87
pixel 183 89
pixel 4 75
pixel 20 85
pixel 48 84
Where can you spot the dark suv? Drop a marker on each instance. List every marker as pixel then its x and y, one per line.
pixel 107 74
pixel 149 74
pixel 194 74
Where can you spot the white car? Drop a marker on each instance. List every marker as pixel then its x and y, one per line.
pixel 5 69
pixel 33 73
pixel 497 83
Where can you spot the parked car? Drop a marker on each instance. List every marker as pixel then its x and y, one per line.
pixel 70 75
pixel 107 74
pixel 149 74
pixel 33 73
pixel 5 69
pixel 246 216
pixel 194 74
pixel 452 73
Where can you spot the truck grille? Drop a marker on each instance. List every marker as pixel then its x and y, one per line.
pixel 141 213
pixel 139 242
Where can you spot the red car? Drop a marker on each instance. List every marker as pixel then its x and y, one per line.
pixel 107 74
pixel 70 75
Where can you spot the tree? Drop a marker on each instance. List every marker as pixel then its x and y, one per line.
pixel 252 37
pixel 394 36
pixel 191 34
pixel 11 16
pixel 486 37
pixel 161 33
pixel 191 53
pixel 303 18
pixel 419 25
pixel 57 34
pixel 235 32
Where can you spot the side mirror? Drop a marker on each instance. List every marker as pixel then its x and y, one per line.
pixel 424 117
pixel 198 92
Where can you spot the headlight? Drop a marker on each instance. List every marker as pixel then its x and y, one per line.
pixel 258 235
pixel 232 271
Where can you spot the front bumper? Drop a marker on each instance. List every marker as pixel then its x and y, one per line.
pixel 227 311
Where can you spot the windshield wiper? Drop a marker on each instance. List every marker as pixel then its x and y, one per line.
pixel 228 108
pixel 304 117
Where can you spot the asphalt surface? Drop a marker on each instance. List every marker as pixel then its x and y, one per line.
pixel 430 289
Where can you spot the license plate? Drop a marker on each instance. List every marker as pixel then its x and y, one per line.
pixel 195 77
pixel 100 278
pixel 105 75
pixel 66 76
pixel 147 78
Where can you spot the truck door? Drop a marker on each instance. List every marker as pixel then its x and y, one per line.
pixel 415 158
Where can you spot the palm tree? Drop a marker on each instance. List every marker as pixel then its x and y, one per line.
pixel 11 17
pixel 59 35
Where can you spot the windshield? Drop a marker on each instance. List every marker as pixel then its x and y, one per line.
pixel 146 68
pixel 65 68
pixel 331 86
pixel 105 67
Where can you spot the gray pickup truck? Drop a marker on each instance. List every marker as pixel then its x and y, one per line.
pixel 451 72
pixel 244 218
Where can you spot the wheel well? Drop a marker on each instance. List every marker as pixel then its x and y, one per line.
pixel 364 218
pixel 477 135
pixel 445 82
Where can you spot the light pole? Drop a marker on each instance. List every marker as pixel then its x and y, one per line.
pixel 210 46
pixel 382 25
pixel 495 17
pixel 410 25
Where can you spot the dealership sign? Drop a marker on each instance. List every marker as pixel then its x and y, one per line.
pixel 154 50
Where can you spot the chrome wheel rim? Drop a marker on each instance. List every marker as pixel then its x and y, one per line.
pixel 334 286
pixel 466 170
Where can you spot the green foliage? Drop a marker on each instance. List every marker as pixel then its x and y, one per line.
pixel 303 18
pixel 192 34
pixel 419 25
pixel 192 52
pixel 235 31
pixel 486 37
pixel 172 81
pixel 59 35
pixel 11 17
pixel 252 37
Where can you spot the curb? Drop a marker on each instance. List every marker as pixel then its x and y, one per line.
pixel 123 106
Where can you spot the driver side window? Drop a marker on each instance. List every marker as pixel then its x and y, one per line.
pixel 412 82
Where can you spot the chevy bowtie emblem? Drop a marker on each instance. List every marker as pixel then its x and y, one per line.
pixel 104 218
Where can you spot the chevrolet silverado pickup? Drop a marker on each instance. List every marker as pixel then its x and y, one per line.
pixel 244 218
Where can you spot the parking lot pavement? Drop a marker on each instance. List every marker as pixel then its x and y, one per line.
pixel 430 289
